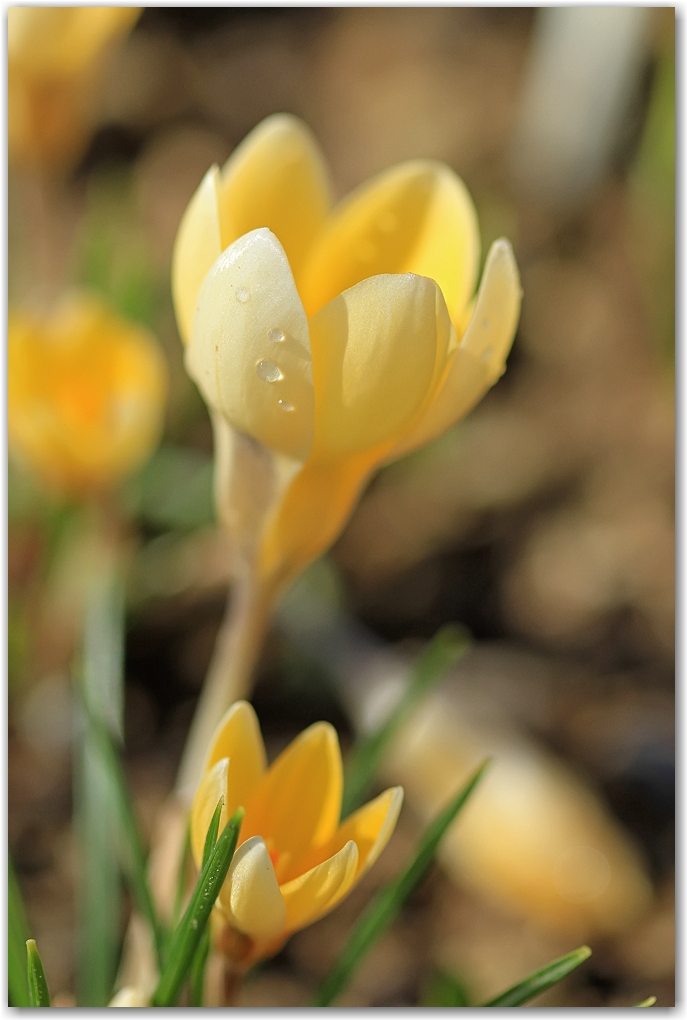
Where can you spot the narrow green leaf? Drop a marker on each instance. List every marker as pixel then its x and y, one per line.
pixel 444 990
pixel 647 1002
pixel 181 878
pixel 96 802
pixel 188 934
pixel 17 936
pixel 442 652
pixel 203 950
pixel 38 986
pixel 542 979
pixel 389 901
pixel 133 857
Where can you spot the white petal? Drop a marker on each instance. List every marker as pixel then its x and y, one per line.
pixel 250 347
pixel 250 894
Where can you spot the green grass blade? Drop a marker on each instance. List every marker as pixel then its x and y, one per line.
pixel 445 990
pixel 133 857
pixel 389 901
pixel 181 877
pixel 442 652
pixel 17 937
pixel 96 802
pixel 203 950
pixel 542 979
pixel 38 986
pixel 188 934
pixel 647 1002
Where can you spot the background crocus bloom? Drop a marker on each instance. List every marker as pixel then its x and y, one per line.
pixel 338 338
pixel 86 394
pixel 52 53
pixel 294 861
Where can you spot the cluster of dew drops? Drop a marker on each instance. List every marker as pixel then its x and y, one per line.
pixel 266 369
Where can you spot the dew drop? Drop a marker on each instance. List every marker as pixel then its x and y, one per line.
pixel 285 405
pixel 242 295
pixel 276 336
pixel 194 923
pixel 487 354
pixel 486 324
pixel 268 371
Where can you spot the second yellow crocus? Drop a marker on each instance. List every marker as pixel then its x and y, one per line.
pixel 338 339
pixel 294 861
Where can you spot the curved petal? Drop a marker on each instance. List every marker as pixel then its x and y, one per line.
pixel 250 895
pixel 197 245
pixel 298 803
pixel 250 351
pixel 370 828
pixel 479 360
pixel 376 350
pixel 414 218
pixel 213 786
pixel 238 738
pixel 319 890
pixel 276 178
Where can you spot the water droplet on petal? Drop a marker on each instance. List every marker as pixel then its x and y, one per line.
pixel 242 295
pixel 276 336
pixel 487 354
pixel 486 324
pixel 268 371
pixel 285 405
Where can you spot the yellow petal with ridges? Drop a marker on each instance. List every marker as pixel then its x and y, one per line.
pixel 250 895
pixel 196 247
pixel 414 218
pixel 249 351
pixel 238 738
pixel 479 360
pixel 375 351
pixel 276 178
pixel 298 803
pixel 319 890
pixel 370 828
pixel 212 787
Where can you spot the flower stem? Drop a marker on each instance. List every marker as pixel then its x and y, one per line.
pixel 230 674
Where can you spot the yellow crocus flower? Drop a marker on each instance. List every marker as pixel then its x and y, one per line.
pixel 294 861
pixel 339 339
pixel 85 394
pixel 52 58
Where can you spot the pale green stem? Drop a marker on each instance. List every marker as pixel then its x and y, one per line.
pixel 230 676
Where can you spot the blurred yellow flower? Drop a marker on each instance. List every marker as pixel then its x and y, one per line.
pixel 85 394
pixel 339 338
pixel 52 59
pixel 294 861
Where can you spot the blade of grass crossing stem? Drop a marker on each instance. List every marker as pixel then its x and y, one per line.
pixel 389 901
pixel 647 1002
pixel 188 934
pixel 133 857
pixel 201 954
pixel 96 799
pixel 38 986
pixel 17 937
pixel 442 652
pixel 542 979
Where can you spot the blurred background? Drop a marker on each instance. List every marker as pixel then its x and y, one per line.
pixel 544 522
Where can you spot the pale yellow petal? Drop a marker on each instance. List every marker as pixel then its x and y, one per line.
pixel 249 351
pixel 212 788
pixel 298 803
pixel 376 349
pixel 196 247
pixel 414 218
pixel 370 828
pixel 250 895
pixel 316 892
pixel 480 359
pixel 276 178
pixel 238 738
